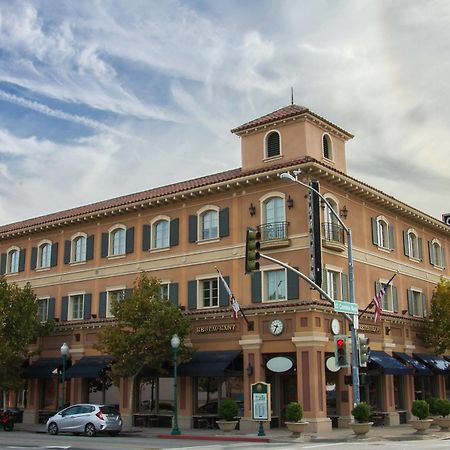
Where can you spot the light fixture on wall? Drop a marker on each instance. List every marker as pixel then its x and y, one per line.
pixel 249 370
pixel 252 209
pixel 388 331
pixel 344 212
pixel 290 202
pixel 404 311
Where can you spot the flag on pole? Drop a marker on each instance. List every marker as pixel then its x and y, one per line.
pixel 233 302
pixel 378 298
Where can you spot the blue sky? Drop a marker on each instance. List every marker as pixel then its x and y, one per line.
pixel 104 98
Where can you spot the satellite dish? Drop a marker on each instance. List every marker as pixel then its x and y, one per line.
pixel 279 364
pixel 331 364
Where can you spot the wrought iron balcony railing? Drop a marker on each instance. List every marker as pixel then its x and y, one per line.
pixel 333 232
pixel 273 231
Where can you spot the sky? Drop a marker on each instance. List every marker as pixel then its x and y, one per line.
pixel 105 98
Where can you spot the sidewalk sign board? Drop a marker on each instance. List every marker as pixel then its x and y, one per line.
pixel 260 401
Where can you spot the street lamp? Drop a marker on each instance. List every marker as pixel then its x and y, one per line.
pixel 64 352
pixel 348 231
pixel 175 343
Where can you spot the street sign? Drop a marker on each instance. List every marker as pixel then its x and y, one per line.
pixel 345 307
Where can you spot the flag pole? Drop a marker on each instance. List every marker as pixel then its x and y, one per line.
pixel 370 304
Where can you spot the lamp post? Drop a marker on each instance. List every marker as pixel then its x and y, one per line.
pixel 351 279
pixel 64 352
pixel 175 343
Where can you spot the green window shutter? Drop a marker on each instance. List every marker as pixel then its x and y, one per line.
pixel 374 230
pixel 64 308
pixel 129 240
pixel 87 306
pixel 224 222
pixel 54 255
pixel 67 247
pixel 256 287
pixel 192 228
pixel 173 293
pixel 33 261
pixel 51 309
pixel 128 292
pixel 405 243
pixel 394 299
pixel 3 263
pixel 444 263
pixel 102 305
pixel 424 306
pixel 174 232
pixel 105 245
pixel 420 247
pixel 224 298
pixel 145 237
pixel 391 237
pixel 90 247
pixel 292 285
pixel 409 296
pixel 377 287
pixel 22 260
pixel 431 253
pixel 345 294
pixel 192 294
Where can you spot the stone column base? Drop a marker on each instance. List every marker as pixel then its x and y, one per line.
pixel 127 419
pixel 185 422
pixel 392 419
pixel 344 421
pixel 30 417
pixel 318 424
pixel 247 425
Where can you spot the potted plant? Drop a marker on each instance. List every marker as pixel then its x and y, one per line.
pixel 361 415
pixel 421 410
pixel 443 409
pixel 294 414
pixel 228 411
pixel 432 406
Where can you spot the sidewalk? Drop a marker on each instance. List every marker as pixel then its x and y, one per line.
pixel 383 433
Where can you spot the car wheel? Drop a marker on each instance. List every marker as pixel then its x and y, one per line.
pixel 113 433
pixel 53 428
pixel 90 430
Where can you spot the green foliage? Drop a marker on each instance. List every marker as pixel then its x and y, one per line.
pixel 19 327
pixel 228 409
pixel 443 407
pixel 420 409
pixel 361 412
pixel 432 405
pixel 294 412
pixel 140 335
pixel 437 328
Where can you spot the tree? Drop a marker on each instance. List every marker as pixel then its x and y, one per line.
pixel 140 335
pixel 19 327
pixel 437 329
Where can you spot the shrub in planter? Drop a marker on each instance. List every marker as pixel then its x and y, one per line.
pixel 294 412
pixel 228 409
pixel 432 405
pixel 420 409
pixel 442 407
pixel 361 412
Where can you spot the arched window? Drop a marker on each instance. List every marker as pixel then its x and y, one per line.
pixel 437 254
pixel 413 244
pixel 209 224
pixel 44 255
pixel 331 223
pixel 274 225
pixel 79 248
pixel 160 234
pixel 13 261
pixel 117 242
pixel 327 147
pixel 383 233
pixel 273 144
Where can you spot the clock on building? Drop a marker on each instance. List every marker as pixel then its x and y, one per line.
pixel 276 327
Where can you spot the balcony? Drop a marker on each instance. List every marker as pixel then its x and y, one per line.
pixel 274 234
pixel 333 236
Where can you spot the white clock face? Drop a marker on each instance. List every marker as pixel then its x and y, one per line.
pixel 335 326
pixel 276 327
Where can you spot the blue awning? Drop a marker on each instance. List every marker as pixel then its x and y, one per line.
pixel 419 368
pixel 388 364
pixel 208 364
pixel 89 367
pixel 43 368
pixel 436 363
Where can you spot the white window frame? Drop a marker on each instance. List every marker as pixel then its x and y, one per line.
pixel 9 263
pixel 43 300
pixel 200 292
pixel 41 263
pixel 332 224
pixel 387 302
pixel 154 235
pixel 436 254
pixel 330 156
pixel 266 146
pixel 383 233
pixel 334 274
pixel 413 244
pixel 201 223
pixel 73 248
pixel 263 205
pixel 164 286
pixel 279 289
pixel 70 306
pixel 417 302
pixel 110 292
pixel 111 241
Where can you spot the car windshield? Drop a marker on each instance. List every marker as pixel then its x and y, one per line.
pixel 108 410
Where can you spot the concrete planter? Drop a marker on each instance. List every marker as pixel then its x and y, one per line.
pixel 421 425
pixel 227 425
pixel 297 428
pixel 443 422
pixel 361 429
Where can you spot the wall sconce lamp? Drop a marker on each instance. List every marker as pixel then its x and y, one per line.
pixel 388 331
pixel 252 209
pixel 290 202
pixel 344 212
pixel 404 311
pixel 249 370
pixel 93 316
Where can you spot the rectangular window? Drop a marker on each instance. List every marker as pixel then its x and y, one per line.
pixel 76 307
pixel 43 309
pixel 209 293
pixel 164 291
pixel 416 303
pixel 387 304
pixel 275 285
pixel 112 297
pixel 334 285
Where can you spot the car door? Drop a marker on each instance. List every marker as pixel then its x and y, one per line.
pixel 81 418
pixel 68 418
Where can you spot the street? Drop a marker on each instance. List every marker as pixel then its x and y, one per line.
pixel 39 441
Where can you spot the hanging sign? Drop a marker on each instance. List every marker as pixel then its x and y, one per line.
pixel 260 401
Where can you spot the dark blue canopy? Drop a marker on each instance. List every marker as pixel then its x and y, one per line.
pixel 436 363
pixel 419 368
pixel 43 368
pixel 388 364
pixel 89 367
pixel 208 364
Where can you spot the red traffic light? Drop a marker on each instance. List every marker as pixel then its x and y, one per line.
pixel 340 342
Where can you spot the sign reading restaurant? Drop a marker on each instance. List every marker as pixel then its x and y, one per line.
pixel 224 328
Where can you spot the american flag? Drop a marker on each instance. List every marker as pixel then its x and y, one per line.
pixel 378 298
pixel 233 302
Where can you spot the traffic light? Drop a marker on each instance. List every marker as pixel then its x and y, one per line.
pixel 363 351
pixel 252 246
pixel 341 353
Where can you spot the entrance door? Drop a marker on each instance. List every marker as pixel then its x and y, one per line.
pixel 283 390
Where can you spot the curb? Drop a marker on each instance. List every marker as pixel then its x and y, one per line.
pixel 212 438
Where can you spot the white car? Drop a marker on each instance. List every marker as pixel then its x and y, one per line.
pixel 86 418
